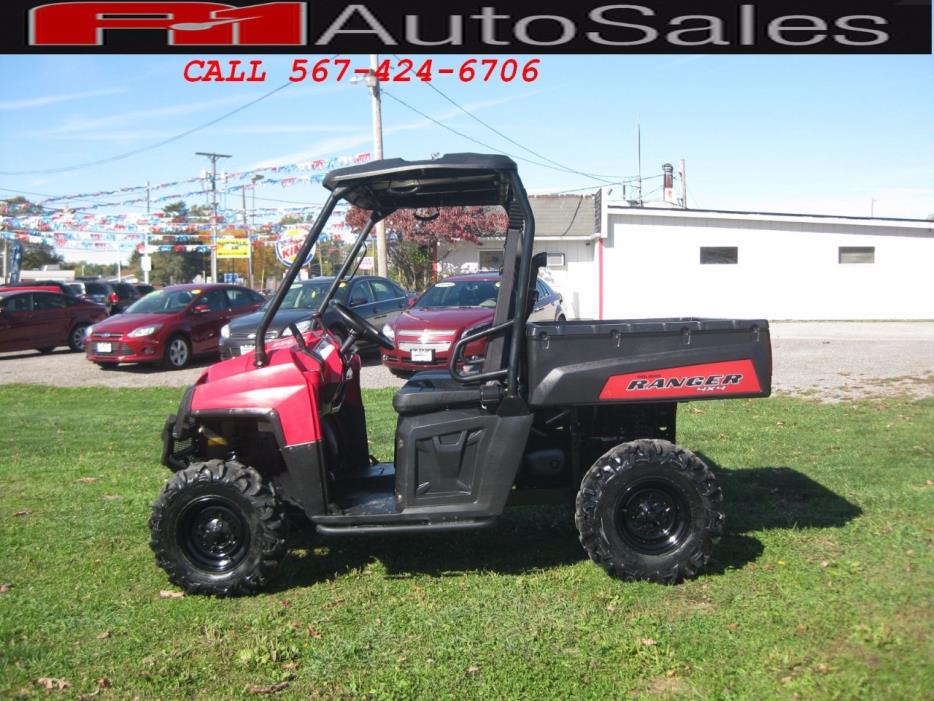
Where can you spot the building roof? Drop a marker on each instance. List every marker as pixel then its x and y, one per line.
pixel 570 216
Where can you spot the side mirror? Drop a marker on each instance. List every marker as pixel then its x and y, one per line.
pixel 410 302
pixel 200 309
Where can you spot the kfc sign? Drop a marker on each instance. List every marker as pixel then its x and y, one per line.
pixel 185 23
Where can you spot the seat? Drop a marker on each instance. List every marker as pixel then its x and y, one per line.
pixel 434 390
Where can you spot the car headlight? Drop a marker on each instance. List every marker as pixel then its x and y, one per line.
pixel 389 332
pixel 225 331
pixel 144 331
pixel 88 331
pixel 302 327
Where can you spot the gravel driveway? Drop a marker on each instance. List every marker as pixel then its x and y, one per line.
pixel 824 360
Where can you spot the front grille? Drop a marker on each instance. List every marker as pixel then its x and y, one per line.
pixel 107 335
pixel 115 349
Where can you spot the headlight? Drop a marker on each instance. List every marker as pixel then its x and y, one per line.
pixel 225 331
pixel 144 331
pixel 88 331
pixel 389 332
pixel 302 327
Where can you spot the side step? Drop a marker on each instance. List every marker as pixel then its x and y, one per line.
pixel 401 527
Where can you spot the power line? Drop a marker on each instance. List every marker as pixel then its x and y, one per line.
pixel 164 142
pixel 477 141
pixel 514 142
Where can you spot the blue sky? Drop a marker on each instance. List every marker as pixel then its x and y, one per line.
pixel 769 133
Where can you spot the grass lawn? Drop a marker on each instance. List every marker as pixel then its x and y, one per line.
pixel 821 588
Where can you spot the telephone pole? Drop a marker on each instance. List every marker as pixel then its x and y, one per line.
pixel 146 260
pixel 372 82
pixel 214 158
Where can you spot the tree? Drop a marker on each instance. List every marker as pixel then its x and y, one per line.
pixel 413 240
pixel 35 255
pixel 176 266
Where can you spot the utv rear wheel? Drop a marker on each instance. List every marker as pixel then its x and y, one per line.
pixel 649 510
pixel 218 528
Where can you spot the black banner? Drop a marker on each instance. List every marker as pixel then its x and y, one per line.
pixel 483 27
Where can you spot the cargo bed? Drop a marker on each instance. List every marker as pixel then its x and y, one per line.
pixel 596 362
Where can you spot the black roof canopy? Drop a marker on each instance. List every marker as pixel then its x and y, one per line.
pixel 451 180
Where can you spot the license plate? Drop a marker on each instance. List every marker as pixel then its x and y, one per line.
pixel 105 348
pixel 423 354
pixel 246 349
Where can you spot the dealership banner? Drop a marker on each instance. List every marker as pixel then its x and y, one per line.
pixel 233 248
pixel 423 26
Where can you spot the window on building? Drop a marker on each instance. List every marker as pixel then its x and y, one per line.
pixel 490 260
pixel 719 255
pixel 856 254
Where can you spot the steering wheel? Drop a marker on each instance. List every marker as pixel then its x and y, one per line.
pixel 359 328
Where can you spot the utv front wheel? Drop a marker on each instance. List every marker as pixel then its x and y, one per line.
pixel 649 510
pixel 218 528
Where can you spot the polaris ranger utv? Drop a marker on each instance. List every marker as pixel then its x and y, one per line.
pixel 558 411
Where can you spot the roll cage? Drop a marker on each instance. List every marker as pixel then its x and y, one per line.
pixel 461 179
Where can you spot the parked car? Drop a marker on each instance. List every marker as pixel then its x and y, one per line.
pixel 127 294
pixel 144 289
pixel 44 320
pixel 54 285
pixel 170 326
pixel 425 333
pixel 377 299
pixel 100 292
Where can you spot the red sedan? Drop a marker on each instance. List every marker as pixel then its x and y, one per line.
pixel 170 326
pixel 425 334
pixel 43 318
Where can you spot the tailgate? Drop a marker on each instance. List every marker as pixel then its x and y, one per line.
pixel 593 362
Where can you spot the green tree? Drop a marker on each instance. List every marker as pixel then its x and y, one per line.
pixel 35 255
pixel 175 266
pixel 413 240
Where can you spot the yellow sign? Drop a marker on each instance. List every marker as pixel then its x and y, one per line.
pixel 233 248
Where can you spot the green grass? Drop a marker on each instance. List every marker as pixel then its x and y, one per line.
pixel 821 588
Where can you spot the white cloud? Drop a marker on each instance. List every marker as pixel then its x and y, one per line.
pixel 43 100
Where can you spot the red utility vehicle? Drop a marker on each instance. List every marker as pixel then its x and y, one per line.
pixel 170 326
pixel 460 304
pixel 578 412
pixel 42 318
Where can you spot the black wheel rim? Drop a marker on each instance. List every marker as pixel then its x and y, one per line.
pixel 652 516
pixel 213 533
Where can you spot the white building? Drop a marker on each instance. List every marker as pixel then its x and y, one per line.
pixel 613 260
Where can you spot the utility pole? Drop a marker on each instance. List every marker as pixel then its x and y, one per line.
pixel 639 158
pixel 372 82
pixel 682 173
pixel 146 241
pixel 214 158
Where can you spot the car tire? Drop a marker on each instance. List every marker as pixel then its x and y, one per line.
pixel 649 510
pixel 46 350
pixel 76 337
pixel 177 353
pixel 218 528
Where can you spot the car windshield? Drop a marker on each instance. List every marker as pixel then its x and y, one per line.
pixel 460 293
pixel 304 295
pixel 162 302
